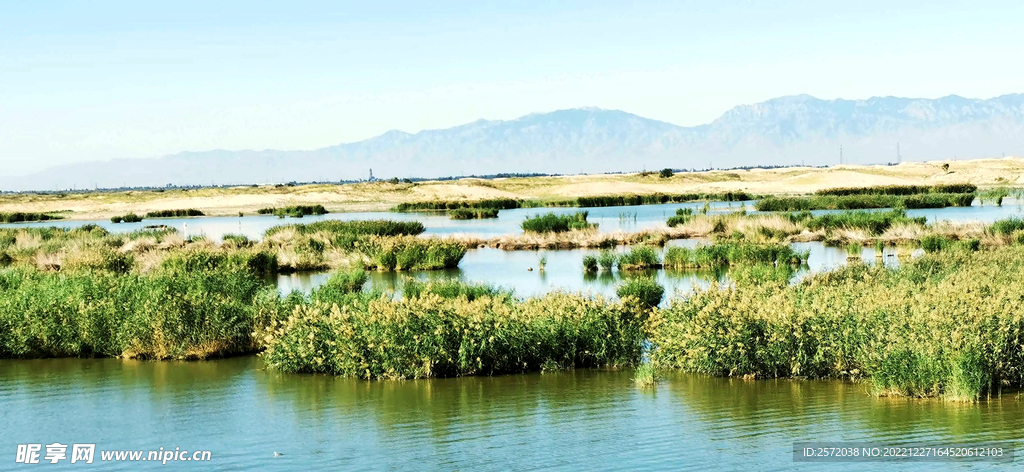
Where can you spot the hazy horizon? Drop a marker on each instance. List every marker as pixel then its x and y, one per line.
pixel 110 80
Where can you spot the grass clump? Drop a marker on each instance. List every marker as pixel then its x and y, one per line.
pixel 589 263
pixel 129 218
pixel 606 260
pixel 683 215
pixel 1008 226
pixel 411 253
pixel 646 375
pixel 643 290
pixel 875 222
pixel 296 211
pixel 639 257
pixel 552 223
pixel 174 213
pixel 730 253
pixel 451 289
pixel 472 213
pixel 340 284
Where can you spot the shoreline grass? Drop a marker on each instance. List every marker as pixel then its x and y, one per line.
pixel 190 212
pixel 552 223
pixel 945 325
pixel 899 189
pixel 859 201
pixel 22 217
pixel 472 214
pixel 296 211
pixel 429 335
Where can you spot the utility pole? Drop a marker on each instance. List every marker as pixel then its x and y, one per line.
pixel 899 158
pixel 840 154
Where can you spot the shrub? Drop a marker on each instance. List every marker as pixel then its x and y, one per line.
pixel 589 263
pixel 666 173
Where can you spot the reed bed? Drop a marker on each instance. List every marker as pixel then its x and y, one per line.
pixel 731 253
pixel 175 213
pixel 639 258
pixel 579 202
pixel 856 202
pixel 442 205
pixel 181 315
pixel 874 222
pixel 410 253
pixel 428 335
pixel 296 211
pixel 21 217
pixel 946 325
pixel 129 218
pixel 899 190
pixel 552 223
pixel 358 228
pixel 472 213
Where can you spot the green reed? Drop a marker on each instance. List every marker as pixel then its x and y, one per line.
pixel 945 325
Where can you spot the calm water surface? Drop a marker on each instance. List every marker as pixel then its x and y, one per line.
pixel 564 271
pixel 609 219
pixel 576 420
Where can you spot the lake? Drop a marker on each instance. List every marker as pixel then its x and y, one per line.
pixel 573 420
pixel 609 219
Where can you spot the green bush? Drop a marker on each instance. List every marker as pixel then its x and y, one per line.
pixel 589 263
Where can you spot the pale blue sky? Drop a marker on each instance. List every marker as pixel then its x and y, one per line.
pixel 99 80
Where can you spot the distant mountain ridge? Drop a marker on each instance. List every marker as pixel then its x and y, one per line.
pixel 781 131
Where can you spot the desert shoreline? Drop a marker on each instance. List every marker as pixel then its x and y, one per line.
pixel 383 195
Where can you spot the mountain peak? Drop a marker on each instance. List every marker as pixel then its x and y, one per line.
pixel 792 129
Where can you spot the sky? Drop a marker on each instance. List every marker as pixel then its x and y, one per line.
pixel 100 80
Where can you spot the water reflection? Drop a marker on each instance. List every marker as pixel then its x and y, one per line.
pixel 520 272
pixel 572 420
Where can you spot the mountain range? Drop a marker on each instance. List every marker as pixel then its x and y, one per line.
pixel 782 131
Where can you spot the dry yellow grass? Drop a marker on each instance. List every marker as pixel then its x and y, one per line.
pixel 379 196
